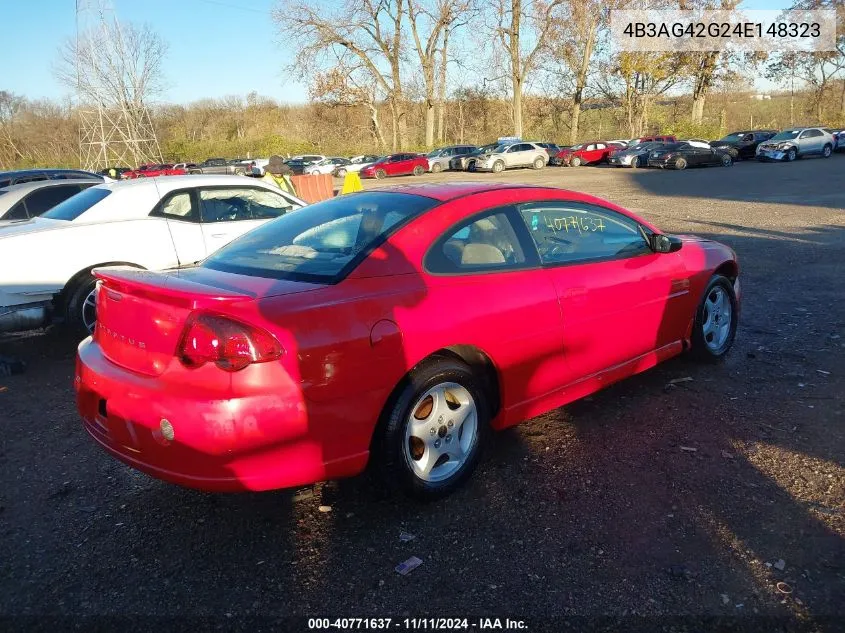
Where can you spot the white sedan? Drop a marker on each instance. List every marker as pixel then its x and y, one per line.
pixel 149 223
pixel 326 166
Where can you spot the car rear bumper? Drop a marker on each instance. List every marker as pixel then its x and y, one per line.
pixel 259 442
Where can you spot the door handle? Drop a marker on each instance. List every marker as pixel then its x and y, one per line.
pixel 218 235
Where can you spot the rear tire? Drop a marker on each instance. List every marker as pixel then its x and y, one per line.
pixel 712 337
pixel 418 170
pixel 341 173
pixel 80 310
pixel 441 413
pixel 827 151
pixel 539 163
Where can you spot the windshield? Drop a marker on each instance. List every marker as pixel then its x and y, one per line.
pixel 577 147
pixel 320 242
pixel 434 153
pixel 76 205
pixel 786 135
pixel 486 148
pixel 645 146
pixel 732 138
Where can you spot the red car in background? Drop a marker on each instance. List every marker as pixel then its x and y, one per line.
pixel 152 170
pixel 395 327
pixel 591 153
pixel 396 165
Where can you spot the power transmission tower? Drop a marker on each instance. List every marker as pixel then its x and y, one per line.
pixel 113 130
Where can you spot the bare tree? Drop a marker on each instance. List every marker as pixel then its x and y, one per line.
pixel 438 18
pixel 637 79
pixel 343 87
pixel 370 30
pixel 521 28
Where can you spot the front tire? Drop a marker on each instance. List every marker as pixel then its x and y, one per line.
pixel 575 162
pixel 380 173
pixel 727 161
pixel 791 155
pixel 498 167
pixel 716 319
pixel 436 168
pixel 341 173
pixel 432 433
pixel 681 163
pixel 635 163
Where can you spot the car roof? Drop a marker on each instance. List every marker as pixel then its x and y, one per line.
pixel 447 191
pixel 26 187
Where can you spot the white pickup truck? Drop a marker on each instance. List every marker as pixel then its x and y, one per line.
pixel 150 223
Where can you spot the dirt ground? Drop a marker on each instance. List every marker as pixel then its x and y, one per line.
pixel 649 503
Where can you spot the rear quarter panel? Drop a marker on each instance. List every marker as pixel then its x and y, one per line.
pixel 45 261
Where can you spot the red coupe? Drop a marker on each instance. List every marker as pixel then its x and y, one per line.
pixel 151 171
pixel 396 165
pixel 394 326
pixel 590 153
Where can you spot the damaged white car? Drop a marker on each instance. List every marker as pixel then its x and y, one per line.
pixel 150 223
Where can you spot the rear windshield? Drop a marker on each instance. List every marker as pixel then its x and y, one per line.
pixel 76 205
pixel 323 242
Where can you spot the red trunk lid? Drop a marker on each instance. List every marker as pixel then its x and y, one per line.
pixel 141 315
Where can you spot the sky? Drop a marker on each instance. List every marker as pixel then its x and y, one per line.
pixel 216 47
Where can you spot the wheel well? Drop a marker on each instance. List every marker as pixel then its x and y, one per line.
pixel 71 284
pixel 481 366
pixel 728 269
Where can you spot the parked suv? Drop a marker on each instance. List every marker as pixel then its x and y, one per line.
pixel 795 143
pixel 743 144
pixel 510 156
pixel 439 159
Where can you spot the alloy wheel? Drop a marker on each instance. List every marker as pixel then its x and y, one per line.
pixel 441 432
pixel 718 318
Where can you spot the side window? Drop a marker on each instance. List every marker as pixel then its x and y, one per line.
pixel 590 148
pixel 747 138
pixel 570 233
pixel 178 206
pixel 17 212
pixel 266 204
pixel 43 200
pixel 601 146
pixel 816 133
pixel 236 204
pixel 486 243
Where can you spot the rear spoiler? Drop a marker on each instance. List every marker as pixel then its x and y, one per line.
pixel 166 287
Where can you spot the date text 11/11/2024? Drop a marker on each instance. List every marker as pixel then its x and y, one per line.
pixel 416 624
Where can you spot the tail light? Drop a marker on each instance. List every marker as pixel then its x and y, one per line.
pixel 229 344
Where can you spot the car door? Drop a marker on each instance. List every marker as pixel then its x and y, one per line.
pixel 619 299
pixel 180 210
pixel 489 260
pixel 589 153
pixel 229 212
pixel 809 142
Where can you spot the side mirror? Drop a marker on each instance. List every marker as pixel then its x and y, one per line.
pixel 665 243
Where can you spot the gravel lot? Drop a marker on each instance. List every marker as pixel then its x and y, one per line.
pixel 594 509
